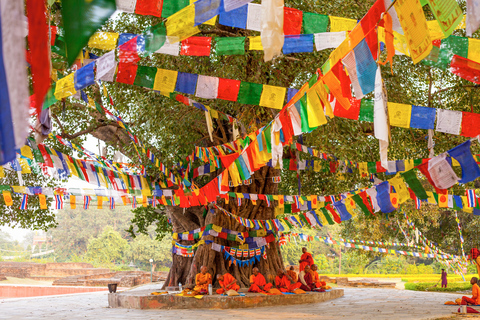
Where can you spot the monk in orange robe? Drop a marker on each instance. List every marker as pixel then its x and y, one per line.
pixel 227 282
pixel 202 280
pixel 316 277
pixel 292 275
pixel 305 279
pixel 283 283
pixel 306 259
pixel 258 283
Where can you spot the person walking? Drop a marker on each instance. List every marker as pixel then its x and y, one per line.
pixel 444 278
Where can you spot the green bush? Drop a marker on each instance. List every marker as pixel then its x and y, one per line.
pixel 429 286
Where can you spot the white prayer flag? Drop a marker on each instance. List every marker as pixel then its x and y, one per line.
pixel 327 40
pixel 207 87
pixel 473 16
pixel 254 17
pixel 441 172
pixel 296 122
pixel 170 47
pixel 380 122
pixel 126 5
pixel 448 121
pixel 105 65
pixel 350 64
pixel 272 28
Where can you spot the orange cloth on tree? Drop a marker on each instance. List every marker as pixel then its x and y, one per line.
pixel 306 259
pixel 202 281
pixel 257 282
pixel 228 282
pixel 293 275
pixel 284 285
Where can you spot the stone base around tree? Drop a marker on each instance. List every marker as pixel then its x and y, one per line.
pixel 144 300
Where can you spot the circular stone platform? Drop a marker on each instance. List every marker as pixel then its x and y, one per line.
pixel 142 299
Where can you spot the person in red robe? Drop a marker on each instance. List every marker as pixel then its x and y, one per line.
pixel 258 283
pixel 306 259
pixel 316 277
pixel 306 280
pixel 227 282
pixel 283 283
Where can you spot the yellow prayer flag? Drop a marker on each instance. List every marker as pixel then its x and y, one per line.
pixel 99 202
pixel 466 207
pixel 340 52
pixel 2 172
pixel 165 80
pixel 323 95
pixel 400 187
pixel 474 50
pixel 19 189
pixel 65 87
pixel 414 25
pixel 26 151
pixel 443 200
pixel 455 163
pixel 363 168
pixel 24 165
pixel 181 24
pixel 317 166
pixel 400 43
pixel 399 114
pixel 436 32
pixel 279 211
pixel 341 24
pixel 7 197
pixel 255 43
pixel 210 22
pixel 145 201
pixel 73 203
pixel 103 40
pixel 43 201
pixel 272 97
pixel 431 198
pixel 316 116
pixel 394 199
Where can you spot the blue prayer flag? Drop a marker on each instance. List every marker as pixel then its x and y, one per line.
pixel 470 169
pixel 291 93
pixel 236 18
pixel 366 67
pixel 423 118
pixel 84 77
pixel 298 43
pixel 206 10
pixel 383 197
pixel 186 82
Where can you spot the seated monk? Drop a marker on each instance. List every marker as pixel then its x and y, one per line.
pixel 316 278
pixel 258 283
pixel 283 283
pixel 202 280
pixel 306 280
pixel 306 259
pixel 227 282
pixel 475 299
pixel 292 275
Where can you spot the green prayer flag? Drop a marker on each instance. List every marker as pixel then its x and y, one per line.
pixel 208 227
pixel 268 138
pixel 314 23
pixel 327 216
pixel 231 237
pixel 302 217
pixel 36 153
pixel 249 93
pixel 81 18
pixel 302 105
pixel 359 201
pixel 59 46
pixel 145 77
pixel 417 162
pixel 155 37
pixel 410 178
pixel 50 97
pixel 99 108
pixel 172 6
pixel 4 188
pixel 230 46
pixel 366 110
pixel 450 46
pixel 312 80
pixel 287 208
pixel 372 167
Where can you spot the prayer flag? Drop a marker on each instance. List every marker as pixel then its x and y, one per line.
pixel 186 83
pixel 473 17
pixel 165 80
pixel 23 204
pixel 236 18
pixel 228 89
pixel 366 67
pixel 449 121
pixel 292 21
pixel 181 25
pixel 58 202
pixel 471 198
pixel 196 46
pixel 171 7
pixel 230 45
pixel 149 7
pixel 341 24
pixel 443 200
pixel 81 18
pixel 13 79
pixel 86 202
pixel 298 43
pixel 84 77
pixel 448 14
pixel 272 97
pixel 65 87
pixel 103 40
pixel 422 117
pixel 399 114
pixel 126 5
pixel 314 23
pixel 155 36
pixel 207 87
pixel 470 169
pixel 73 203
pixel 249 93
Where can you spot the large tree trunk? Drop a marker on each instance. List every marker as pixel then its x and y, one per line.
pixel 184 269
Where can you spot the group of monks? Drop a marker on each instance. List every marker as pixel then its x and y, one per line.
pixel 285 281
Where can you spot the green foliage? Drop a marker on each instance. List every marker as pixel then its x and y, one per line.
pixel 146 217
pixel 430 286
pixel 143 248
pixel 108 247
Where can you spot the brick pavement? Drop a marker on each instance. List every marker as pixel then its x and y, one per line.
pixel 358 303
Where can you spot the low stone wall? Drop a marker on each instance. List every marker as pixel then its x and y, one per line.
pixel 143 300
pixel 35 291
pixel 28 269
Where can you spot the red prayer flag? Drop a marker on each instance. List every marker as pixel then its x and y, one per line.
pixel 39 49
pixel 351 113
pixel 127 52
pixel 370 20
pixel 228 89
pixel 379 167
pixel 126 73
pixel 292 21
pixel 53 35
pixel 196 46
pixel 466 69
pixel 149 7
pixel 470 124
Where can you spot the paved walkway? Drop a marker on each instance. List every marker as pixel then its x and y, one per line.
pixel 358 303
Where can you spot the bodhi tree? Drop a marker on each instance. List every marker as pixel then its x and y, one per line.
pixel 171 130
